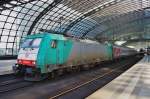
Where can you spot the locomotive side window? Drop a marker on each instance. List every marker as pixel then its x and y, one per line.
pixel 65 43
pixel 54 44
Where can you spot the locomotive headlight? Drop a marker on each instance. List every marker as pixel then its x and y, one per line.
pixel 33 62
pixel 19 61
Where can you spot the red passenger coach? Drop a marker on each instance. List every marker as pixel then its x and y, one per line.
pixel 119 51
pixel 116 52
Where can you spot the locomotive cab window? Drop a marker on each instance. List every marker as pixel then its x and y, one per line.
pixel 28 43
pixel 54 44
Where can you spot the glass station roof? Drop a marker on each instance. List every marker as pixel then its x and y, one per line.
pixel 94 19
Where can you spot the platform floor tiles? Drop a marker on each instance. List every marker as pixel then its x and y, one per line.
pixel 132 84
pixel 6 66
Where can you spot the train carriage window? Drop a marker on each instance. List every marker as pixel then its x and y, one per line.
pixel 54 44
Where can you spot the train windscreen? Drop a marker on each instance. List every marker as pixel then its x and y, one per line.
pixel 33 43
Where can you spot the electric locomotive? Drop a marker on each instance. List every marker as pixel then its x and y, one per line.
pixel 45 53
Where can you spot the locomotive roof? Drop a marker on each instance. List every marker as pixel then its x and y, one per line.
pixel 61 37
pixel 51 35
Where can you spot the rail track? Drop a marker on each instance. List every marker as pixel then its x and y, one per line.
pixel 13 84
pixel 61 93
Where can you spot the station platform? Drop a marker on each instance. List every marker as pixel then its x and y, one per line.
pixel 6 66
pixel 132 84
